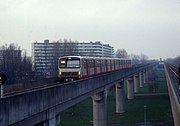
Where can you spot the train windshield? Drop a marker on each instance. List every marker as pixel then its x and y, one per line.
pixel 69 63
pixel 73 63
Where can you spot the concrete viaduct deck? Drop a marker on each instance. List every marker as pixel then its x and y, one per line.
pixel 43 106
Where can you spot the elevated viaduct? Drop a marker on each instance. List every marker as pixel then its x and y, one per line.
pixel 42 106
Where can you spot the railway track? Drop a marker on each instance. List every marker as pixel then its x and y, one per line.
pixel 29 89
pixel 16 89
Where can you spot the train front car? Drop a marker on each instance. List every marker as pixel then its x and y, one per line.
pixel 69 68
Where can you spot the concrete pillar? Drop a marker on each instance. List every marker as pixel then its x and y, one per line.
pixel 147 78
pixel 58 120
pixel 1 90
pixel 45 124
pixel 100 109
pixel 144 77
pixel 52 118
pixel 52 121
pixel 130 88
pixel 49 122
pixel 120 97
pixel 136 84
pixel 141 79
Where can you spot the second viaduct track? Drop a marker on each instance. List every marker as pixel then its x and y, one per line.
pixel 174 74
pixel 44 103
pixel 173 82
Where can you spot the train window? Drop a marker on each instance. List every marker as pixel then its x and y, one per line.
pixel 98 63
pixel 91 63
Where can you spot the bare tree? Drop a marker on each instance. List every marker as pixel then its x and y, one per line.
pixel 135 59
pixel 26 68
pixel 143 58
pixel 58 52
pixel 14 65
pixel 69 47
pixel 121 53
pixel 175 61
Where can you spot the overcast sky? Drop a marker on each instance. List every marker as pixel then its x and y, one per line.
pixel 151 27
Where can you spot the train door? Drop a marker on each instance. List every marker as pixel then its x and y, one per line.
pixel 113 65
pixel 103 65
pixel 84 68
pixel 90 67
pixel 95 66
pixel 110 65
pixel 106 65
pixel 116 64
pixel 98 66
pixel 126 63
pixel 121 64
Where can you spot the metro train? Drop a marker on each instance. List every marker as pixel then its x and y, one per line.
pixel 76 67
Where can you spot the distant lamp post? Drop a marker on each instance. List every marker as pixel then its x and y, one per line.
pixel 145 115
pixel 2 82
pixel 179 76
pixel 1 87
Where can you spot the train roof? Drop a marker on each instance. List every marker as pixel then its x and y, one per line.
pixel 86 57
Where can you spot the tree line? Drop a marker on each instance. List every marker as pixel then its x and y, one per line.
pixel 18 66
pixel 136 59
pixel 175 61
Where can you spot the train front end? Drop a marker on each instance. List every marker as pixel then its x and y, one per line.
pixel 69 68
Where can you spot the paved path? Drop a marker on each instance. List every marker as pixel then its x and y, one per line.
pixel 151 94
pixel 162 123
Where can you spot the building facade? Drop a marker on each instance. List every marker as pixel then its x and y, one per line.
pixel 95 49
pixel 45 54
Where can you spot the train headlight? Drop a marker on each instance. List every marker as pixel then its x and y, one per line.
pixel 59 73
pixel 79 73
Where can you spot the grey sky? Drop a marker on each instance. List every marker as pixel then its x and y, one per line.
pixel 151 27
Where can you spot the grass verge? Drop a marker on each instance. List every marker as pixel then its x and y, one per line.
pixel 158 106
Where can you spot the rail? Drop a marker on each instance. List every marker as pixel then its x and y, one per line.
pixel 28 86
